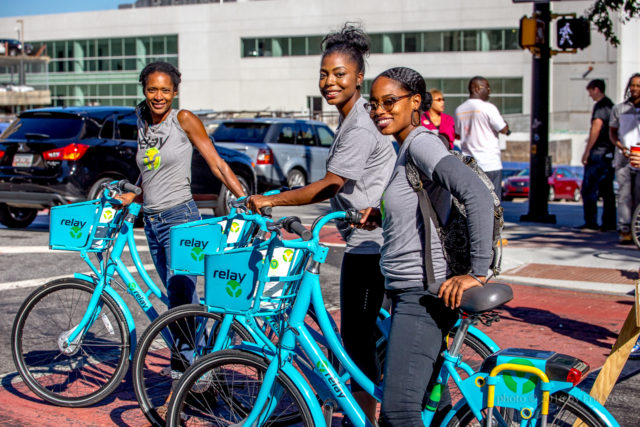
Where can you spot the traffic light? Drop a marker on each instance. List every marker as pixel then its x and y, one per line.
pixel 531 32
pixel 573 33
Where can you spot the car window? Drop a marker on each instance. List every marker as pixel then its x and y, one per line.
pixel 325 136
pixel 305 135
pixel 43 128
pixel 523 172
pixel 127 128
pixel 247 132
pixel 287 134
pixel 107 129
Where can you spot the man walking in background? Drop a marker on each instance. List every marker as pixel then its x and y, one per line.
pixel 597 160
pixel 624 132
pixel 477 124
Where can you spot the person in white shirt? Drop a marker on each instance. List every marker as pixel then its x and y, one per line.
pixel 477 124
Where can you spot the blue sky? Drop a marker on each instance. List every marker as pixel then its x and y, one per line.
pixel 40 7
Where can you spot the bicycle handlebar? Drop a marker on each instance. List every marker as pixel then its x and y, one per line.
pixel 293 225
pixel 125 185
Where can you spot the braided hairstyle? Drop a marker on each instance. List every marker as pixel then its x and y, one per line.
pixel 162 67
pixel 627 92
pixel 411 81
pixel 350 40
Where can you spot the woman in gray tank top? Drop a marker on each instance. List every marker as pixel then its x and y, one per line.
pixel 358 167
pixel 166 138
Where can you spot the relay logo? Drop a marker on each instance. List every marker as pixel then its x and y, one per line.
pixel 76 232
pixel 151 158
pixel 233 288
pixel 322 366
pixel 76 227
pixel 274 263
pixel 107 215
pixel 287 255
pixel 521 380
pixel 235 227
pixel 197 254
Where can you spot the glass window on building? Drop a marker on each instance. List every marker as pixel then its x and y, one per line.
pixel 298 46
pixel 432 41
pixel 392 43
pixel 412 42
pixel 158 45
pixel 280 46
pixel 470 40
pixel 451 41
pixel 314 45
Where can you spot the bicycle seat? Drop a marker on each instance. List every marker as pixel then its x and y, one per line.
pixel 484 298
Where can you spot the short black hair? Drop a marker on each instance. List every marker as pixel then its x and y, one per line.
pixel 627 92
pixel 597 83
pixel 350 40
pixel 411 81
pixel 475 80
pixel 162 67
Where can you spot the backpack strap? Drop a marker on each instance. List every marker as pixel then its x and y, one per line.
pixel 426 209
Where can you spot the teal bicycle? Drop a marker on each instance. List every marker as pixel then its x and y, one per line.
pixel 157 366
pixel 254 385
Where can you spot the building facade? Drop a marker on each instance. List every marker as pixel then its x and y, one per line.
pixel 264 55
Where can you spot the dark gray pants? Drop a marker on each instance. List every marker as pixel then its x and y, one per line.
pixel 496 179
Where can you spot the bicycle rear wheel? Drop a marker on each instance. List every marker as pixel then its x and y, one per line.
pixel 168 347
pixel 86 371
pixel 232 380
pixel 564 411
pixel 473 352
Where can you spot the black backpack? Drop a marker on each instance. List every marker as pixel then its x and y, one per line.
pixel 454 235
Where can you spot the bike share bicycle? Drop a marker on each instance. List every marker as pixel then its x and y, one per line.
pixel 252 384
pixel 155 368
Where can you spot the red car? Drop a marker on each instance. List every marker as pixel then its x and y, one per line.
pixel 563 184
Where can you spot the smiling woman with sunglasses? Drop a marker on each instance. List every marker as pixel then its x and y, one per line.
pixel 423 310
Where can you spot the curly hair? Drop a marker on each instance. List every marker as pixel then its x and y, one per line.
pixel 162 67
pixel 350 40
pixel 411 81
pixel 627 92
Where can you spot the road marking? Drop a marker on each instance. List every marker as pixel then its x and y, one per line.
pixel 41 281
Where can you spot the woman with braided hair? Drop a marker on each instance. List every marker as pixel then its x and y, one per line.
pixel 358 167
pixel 423 309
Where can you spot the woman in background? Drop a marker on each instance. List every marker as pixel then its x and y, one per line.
pixel 435 119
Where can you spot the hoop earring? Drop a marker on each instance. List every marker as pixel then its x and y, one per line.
pixel 417 121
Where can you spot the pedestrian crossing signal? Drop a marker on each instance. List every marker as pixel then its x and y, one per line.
pixel 532 31
pixel 574 33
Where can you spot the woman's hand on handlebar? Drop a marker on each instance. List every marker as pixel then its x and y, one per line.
pixel 370 220
pixel 256 202
pixel 452 289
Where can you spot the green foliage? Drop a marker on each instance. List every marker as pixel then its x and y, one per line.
pixel 600 14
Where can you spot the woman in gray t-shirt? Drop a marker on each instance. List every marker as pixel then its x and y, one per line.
pixel 358 168
pixel 422 312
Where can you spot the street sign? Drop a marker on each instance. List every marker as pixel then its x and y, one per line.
pixel 573 33
pixel 532 31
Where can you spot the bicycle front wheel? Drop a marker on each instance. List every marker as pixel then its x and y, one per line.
pixel 635 226
pixel 83 372
pixel 564 411
pixel 168 347
pixel 222 387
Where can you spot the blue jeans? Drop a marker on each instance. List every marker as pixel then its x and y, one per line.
pixel 628 196
pixel 181 289
pixel 419 325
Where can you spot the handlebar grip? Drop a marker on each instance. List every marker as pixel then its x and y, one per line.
pixel 293 225
pixel 127 186
pixel 266 210
pixel 352 216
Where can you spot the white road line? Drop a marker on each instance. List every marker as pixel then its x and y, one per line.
pixel 5 250
pixel 41 281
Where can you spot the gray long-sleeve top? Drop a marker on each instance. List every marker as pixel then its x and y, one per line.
pixel 403 227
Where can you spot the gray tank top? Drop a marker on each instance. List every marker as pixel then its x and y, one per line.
pixel 164 159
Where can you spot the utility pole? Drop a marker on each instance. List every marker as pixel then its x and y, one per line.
pixel 540 167
pixel 21 77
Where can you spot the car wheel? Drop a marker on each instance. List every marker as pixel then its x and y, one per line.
pixel 296 178
pixel 576 195
pixel 226 195
pixel 96 188
pixel 552 194
pixel 17 217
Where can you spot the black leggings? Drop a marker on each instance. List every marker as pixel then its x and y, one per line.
pixel 361 295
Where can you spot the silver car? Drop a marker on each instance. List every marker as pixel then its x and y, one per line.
pixel 284 151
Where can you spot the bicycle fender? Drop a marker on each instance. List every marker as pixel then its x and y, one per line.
pixel 293 374
pixel 594 405
pixel 484 338
pixel 124 308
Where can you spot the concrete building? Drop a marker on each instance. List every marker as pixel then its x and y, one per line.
pixel 264 55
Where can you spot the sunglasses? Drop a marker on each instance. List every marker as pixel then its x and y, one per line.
pixel 387 103
pixel 438 99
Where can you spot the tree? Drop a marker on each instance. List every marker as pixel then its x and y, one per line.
pixel 600 14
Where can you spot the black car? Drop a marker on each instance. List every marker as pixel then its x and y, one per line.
pixel 13 47
pixel 53 156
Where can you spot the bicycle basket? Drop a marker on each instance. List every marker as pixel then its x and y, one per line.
pixel 190 242
pixel 257 279
pixel 86 226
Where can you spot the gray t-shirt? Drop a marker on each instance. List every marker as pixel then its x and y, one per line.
pixel 626 118
pixel 365 157
pixel 402 253
pixel 164 158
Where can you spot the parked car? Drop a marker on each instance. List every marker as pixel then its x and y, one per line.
pixel 54 156
pixel 563 184
pixel 284 151
pixel 13 47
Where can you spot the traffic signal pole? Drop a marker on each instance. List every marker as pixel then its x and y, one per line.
pixel 540 166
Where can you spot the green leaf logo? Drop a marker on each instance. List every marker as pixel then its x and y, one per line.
pixel 131 286
pixel 322 366
pixel 287 255
pixel 233 289
pixel 151 158
pixel 76 232
pixel 235 227
pixel 107 214
pixel 527 382
pixel 197 254
pixel 274 263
